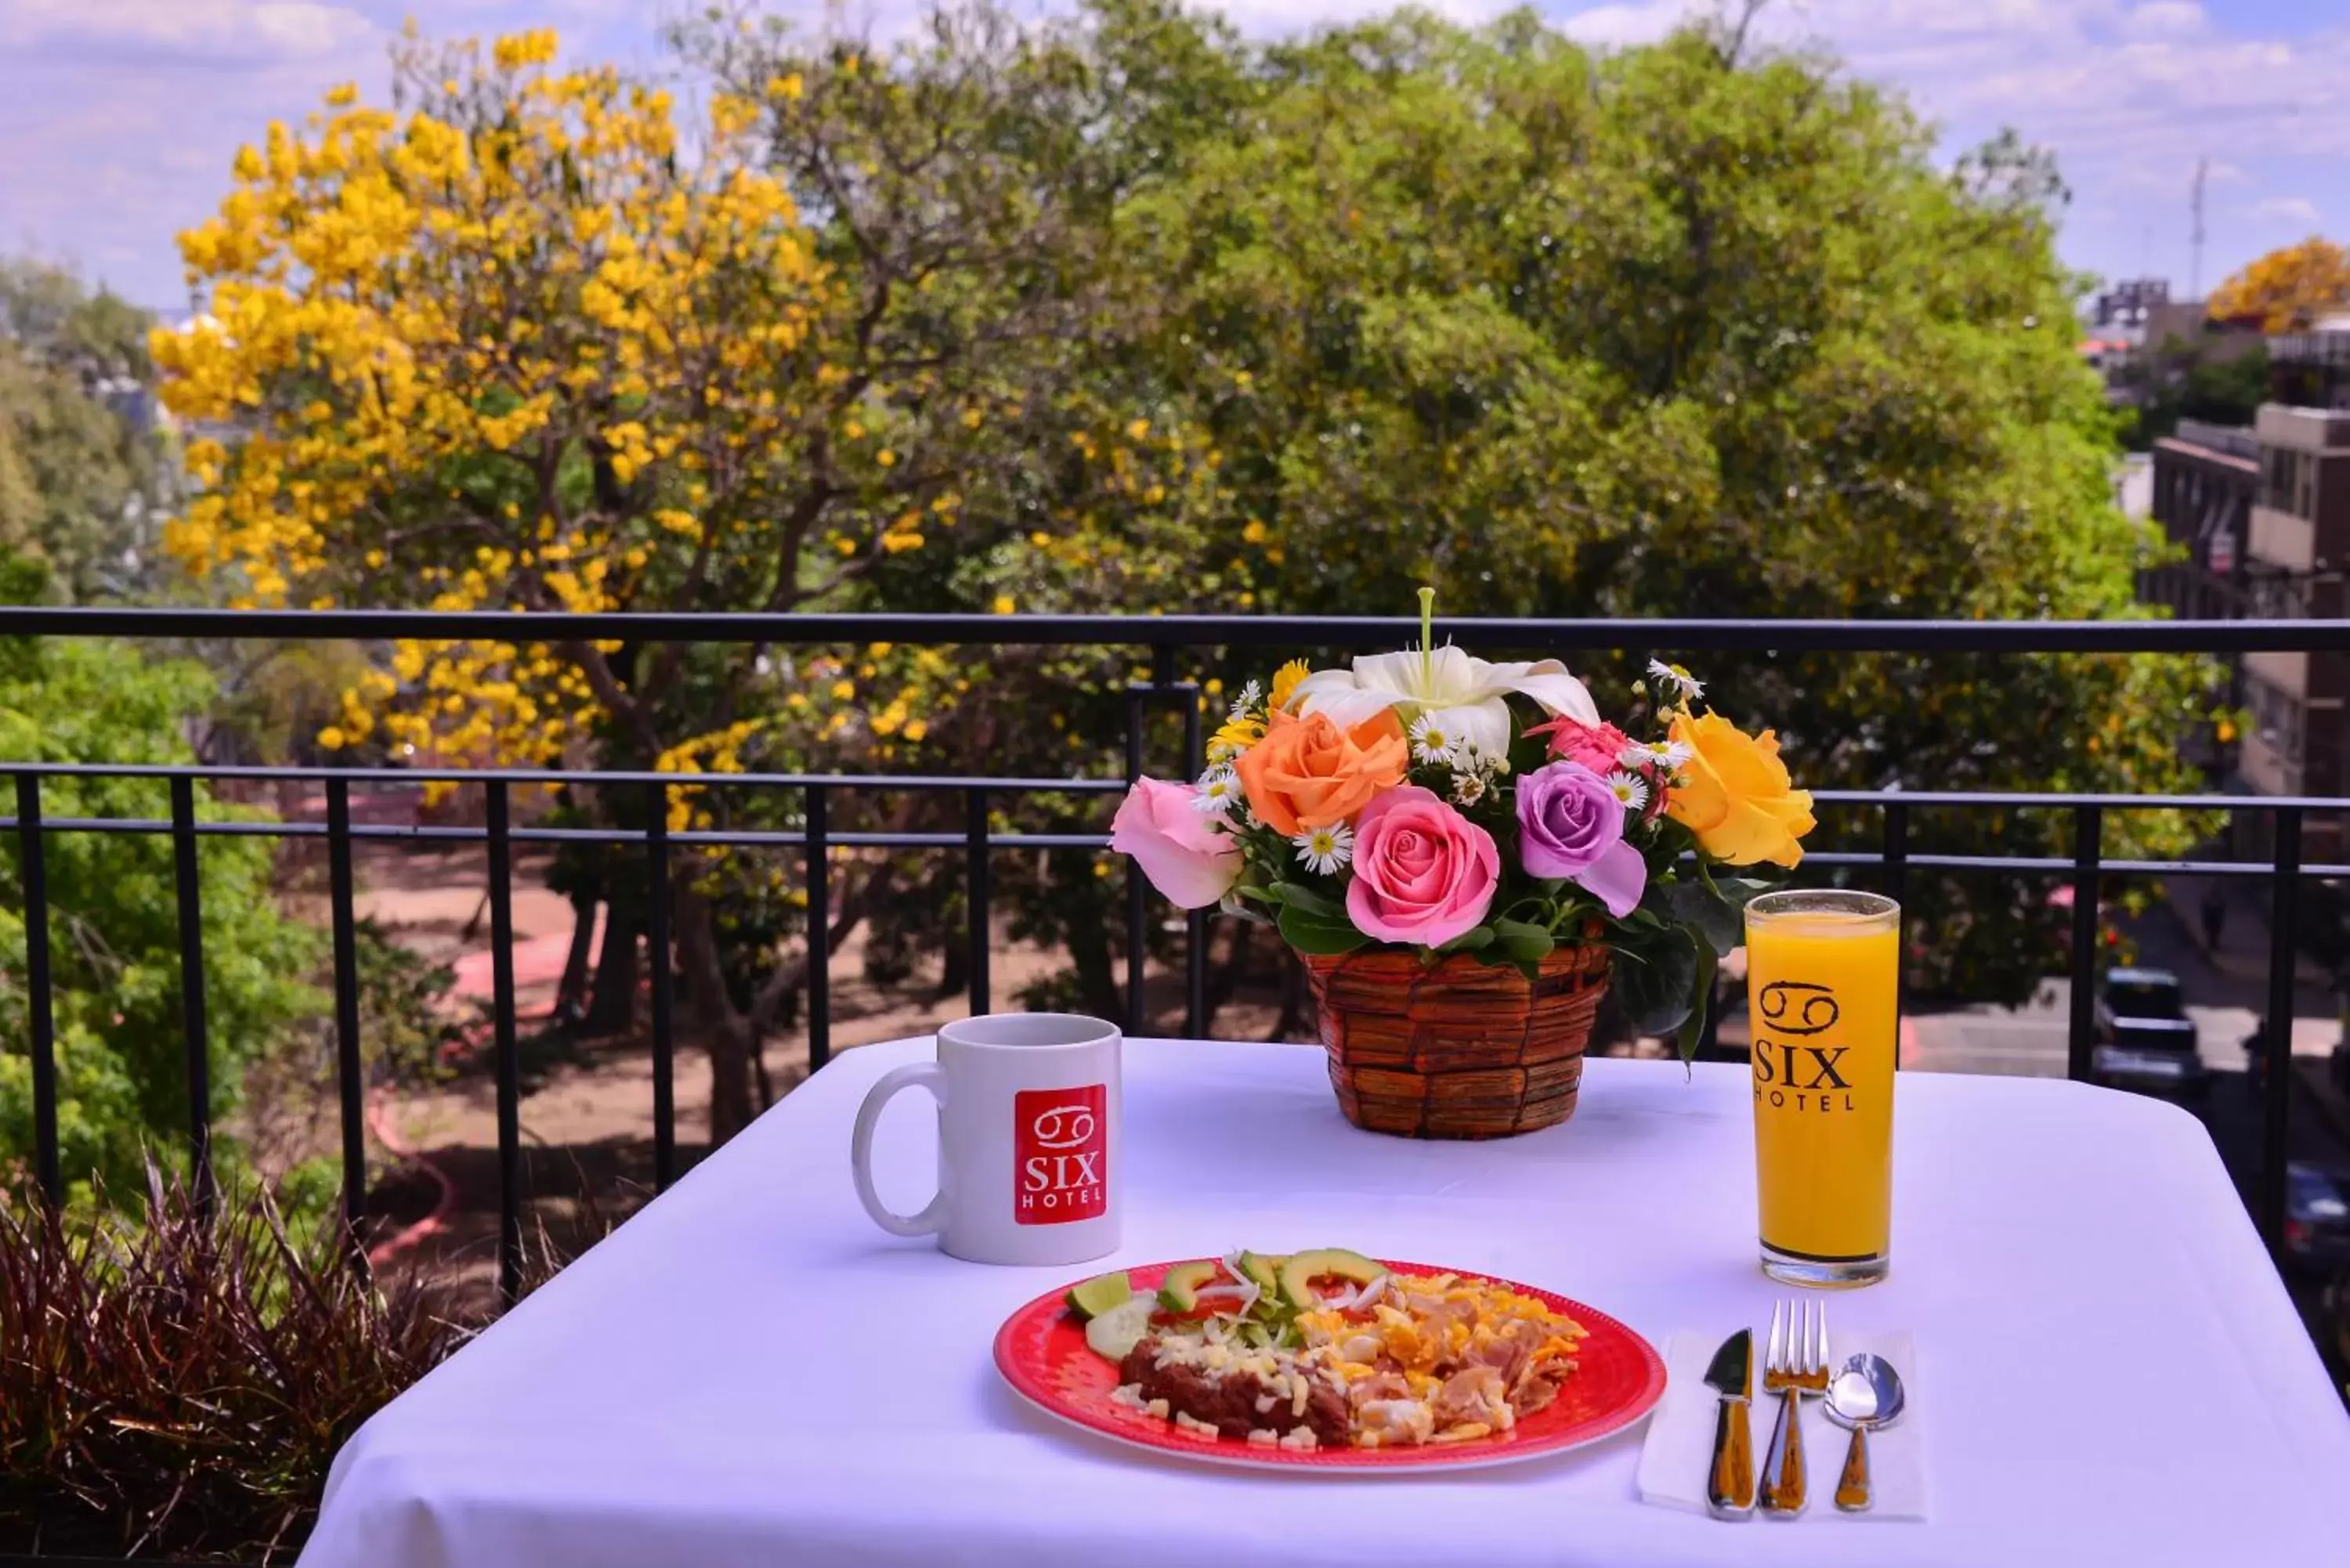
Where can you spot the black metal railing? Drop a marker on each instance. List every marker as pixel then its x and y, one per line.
pixel 1167 637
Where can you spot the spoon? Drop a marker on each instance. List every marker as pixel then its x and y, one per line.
pixel 1866 1394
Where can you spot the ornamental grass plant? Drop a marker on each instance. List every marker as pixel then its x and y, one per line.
pixel 174 1384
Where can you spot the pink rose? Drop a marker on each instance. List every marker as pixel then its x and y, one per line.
pixel 1423 873
pixel 1177 845
pixel 1596 746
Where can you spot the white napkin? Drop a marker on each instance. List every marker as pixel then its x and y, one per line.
pixel 1675 1458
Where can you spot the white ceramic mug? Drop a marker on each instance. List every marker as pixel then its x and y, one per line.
pixel 1029 1139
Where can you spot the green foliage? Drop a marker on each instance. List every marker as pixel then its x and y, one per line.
pixel 2185 381
pixel 82 482
pixel 1673 330
pixel 114 919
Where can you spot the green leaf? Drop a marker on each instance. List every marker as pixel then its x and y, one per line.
pixel 1656 987
pixel 1700 999
pixel 1312 933
pixel 1469 941
pixel 1521 944
pixel 1694 904
pixel 1312 900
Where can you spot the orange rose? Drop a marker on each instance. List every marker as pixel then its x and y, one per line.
pixel 1309 773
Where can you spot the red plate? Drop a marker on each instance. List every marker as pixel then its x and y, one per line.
pixel 1040 1351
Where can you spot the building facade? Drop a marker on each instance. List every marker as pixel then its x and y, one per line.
pixel 2261 520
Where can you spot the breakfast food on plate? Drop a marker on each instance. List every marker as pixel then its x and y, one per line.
pixel 1327 1348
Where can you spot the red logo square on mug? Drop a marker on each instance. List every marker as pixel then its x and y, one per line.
pixel 1060 1154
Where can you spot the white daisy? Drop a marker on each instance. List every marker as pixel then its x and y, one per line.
pixel 1468 789
pixel 1220 790
pixel 1629 788
pixel 1667 754
pixel 1325 850
pixel 1251 695
pixel 1673 680
pixel 1432 742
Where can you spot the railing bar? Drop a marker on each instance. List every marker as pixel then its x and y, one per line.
pixel 509 1051
pixel 663 985
pixel 1137 916
pixel 977 891
pixel 33 860
pixel 1954 799
pixel 1006 784
pixel 819 929
pixel 349 1087
pixel 195 1041
pixel 2088 828
pixel 1195 923
pixel 2314 635
pixel 2047 864
pixel 2276 1045
pixel 1896 887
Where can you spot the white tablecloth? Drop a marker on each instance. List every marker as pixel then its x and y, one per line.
pixel 749 1372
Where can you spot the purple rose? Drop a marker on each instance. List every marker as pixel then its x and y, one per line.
pixel 1570 825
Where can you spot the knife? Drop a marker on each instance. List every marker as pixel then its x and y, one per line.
pixel 1730 1488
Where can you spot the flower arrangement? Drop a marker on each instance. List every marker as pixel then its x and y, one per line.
pixel 1434 801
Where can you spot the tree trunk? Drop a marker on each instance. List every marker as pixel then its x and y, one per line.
pixel 1297 999
pixel 613 1008
pixel 954 968
pixel 729 1035
pixel 569 995
pixel 1098 985
pixel 1226 979
pixel 728 1039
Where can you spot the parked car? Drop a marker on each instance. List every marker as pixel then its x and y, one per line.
pixel 2316 1220
pixel 2145 1041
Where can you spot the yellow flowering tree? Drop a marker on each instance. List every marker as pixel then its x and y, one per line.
pixel 525 341
pixel 2287 290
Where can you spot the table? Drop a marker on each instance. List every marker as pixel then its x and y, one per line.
pixel 749 1372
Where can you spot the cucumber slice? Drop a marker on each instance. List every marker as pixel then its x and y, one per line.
pixel 1098 1294
pixel 1118 1331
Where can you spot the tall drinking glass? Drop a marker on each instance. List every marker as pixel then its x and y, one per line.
pixel 1822 989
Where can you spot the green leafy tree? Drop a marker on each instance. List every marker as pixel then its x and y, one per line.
pixel 84 474
pixel 2186 380
pixel 114 916
pixel 1678 330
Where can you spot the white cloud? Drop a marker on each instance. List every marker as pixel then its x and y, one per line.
pixel 2167 19
pixel 247 32
pixel 1619 26
pixel 2288 209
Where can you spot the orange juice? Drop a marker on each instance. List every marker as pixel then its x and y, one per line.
pixel 1821 986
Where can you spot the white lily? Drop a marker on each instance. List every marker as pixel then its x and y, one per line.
pixel 1461 694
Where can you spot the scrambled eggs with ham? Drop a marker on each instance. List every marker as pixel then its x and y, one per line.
pixel 1440 1358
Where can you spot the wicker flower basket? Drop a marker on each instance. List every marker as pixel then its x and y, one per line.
pixel 1458 1049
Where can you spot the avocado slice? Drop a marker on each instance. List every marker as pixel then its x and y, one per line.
pixel 1096 1296
pixel 1264 1270
pixel 1180 1290
pixel 1299 1274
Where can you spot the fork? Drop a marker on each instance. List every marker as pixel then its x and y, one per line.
pixel 1797 1365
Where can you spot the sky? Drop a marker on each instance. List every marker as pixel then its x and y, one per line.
pixel 118 119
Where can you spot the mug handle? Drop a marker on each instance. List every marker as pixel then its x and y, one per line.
pixel 932 1219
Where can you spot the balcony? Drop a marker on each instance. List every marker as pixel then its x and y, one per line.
pixel 2307 430
pixel 1883 838
pixel 2282 541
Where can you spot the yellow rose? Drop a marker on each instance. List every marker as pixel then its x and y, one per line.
pixel 1735 795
